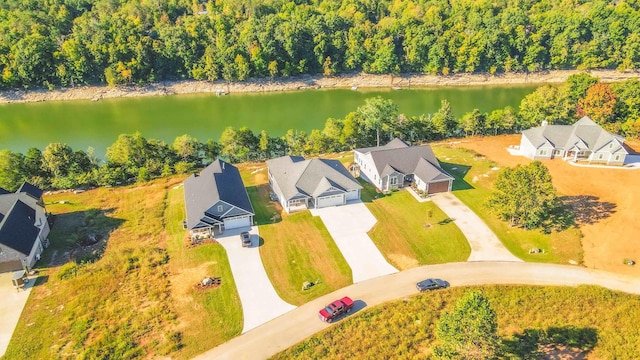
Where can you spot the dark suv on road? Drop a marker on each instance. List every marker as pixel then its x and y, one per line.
pixel 246 239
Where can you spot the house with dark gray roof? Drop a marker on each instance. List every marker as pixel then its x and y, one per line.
pixel 583 141
pixel 216 200
pixel 396 165
pixel 23 228
pixel 311 184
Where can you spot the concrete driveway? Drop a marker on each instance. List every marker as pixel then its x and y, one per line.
pixel 485 245
pixel 12 302
pixel 286 331
pixel 348 225
pixel 260 302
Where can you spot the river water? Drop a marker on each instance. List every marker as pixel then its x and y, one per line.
pixel 83 123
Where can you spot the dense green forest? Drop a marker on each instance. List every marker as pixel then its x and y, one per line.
pixel 131 158
pixel 71 42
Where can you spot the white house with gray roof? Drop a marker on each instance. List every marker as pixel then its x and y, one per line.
pixel 215 200
pixel 396 165
pixel 585 140
pixel 23 228
pixel 316 183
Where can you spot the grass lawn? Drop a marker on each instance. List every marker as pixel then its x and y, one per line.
pixel 111 299
pixel 474 178
pixel 294 248
pixel 533 323
pixel 410 233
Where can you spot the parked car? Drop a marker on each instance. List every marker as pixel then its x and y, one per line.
pixel 431 284
pixel 335 309
pixel 246 239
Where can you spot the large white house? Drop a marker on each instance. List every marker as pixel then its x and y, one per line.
pixel 397 164
pixel 585 140
pixel 215 200
pixel 23 228
pixel 311 184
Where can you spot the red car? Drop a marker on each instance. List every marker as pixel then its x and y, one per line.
pixel 336 309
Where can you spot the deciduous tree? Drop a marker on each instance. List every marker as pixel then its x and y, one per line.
pixel 469 330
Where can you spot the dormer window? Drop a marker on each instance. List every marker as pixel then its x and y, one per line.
pixel 219 208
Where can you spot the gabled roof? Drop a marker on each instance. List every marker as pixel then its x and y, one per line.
pixel 584 134
pixel 31 190
pixel 404 159
pixel 428 172
pixel 294 176
pixel 220 181
pixel 396 143
pixel 17 228
pixel 3 191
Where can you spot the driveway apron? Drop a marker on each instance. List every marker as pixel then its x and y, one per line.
pixel 485 245
pixel 12 302
pixel 260 302
pixel 348 225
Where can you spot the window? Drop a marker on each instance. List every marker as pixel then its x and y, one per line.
pixel 219 208
pixel 600 156
pixel 543 152
pixel 393 180
pixel 617 158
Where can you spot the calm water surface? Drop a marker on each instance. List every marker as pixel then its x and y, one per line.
pixel 84 123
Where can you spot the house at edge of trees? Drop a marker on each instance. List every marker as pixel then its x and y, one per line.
pixel 583 141
pixel 216 200
pixel 23 228
pixel 396 165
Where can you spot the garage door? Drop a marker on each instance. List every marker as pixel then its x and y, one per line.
pixel 438 187
pixel 331 200
pixel 353 195
pixel 234 223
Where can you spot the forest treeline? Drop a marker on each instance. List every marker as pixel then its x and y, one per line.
pixel 132 157
pixel 72 42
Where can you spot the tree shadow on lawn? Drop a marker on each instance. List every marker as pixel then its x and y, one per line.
pixel 79 235
pixel 458 171
pixel 587 209
pixel 567 342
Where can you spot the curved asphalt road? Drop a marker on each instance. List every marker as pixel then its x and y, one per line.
pixel 299 324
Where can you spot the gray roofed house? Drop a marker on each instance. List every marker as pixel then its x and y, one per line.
pixel 396 164
pixel 316 183
pixel 215 200
pixel 583 141
pixel 23 228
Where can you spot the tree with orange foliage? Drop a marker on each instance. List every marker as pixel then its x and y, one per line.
pixel 598 104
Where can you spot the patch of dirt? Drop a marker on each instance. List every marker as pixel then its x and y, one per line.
pixel 607 198
pixel 555 352
pixel 403 261
pixel 182 282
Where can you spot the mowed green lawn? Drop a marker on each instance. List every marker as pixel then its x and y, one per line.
pixel 297 248
pixel 410 233
pixel 473 185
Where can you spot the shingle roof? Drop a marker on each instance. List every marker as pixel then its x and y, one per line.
pixel 428 172
pixel 294 175
pixel 3 191
pixel 17 229
pixel 218 181
pixel 396 143
pixel 583 134
pixel 32 190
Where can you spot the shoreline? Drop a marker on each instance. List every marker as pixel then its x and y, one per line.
pixel 303 82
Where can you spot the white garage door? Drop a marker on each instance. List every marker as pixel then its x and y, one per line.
pixel 353 195
pixel 237 222
pixel 331 200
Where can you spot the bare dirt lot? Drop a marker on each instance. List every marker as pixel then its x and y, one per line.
pixel 607 198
